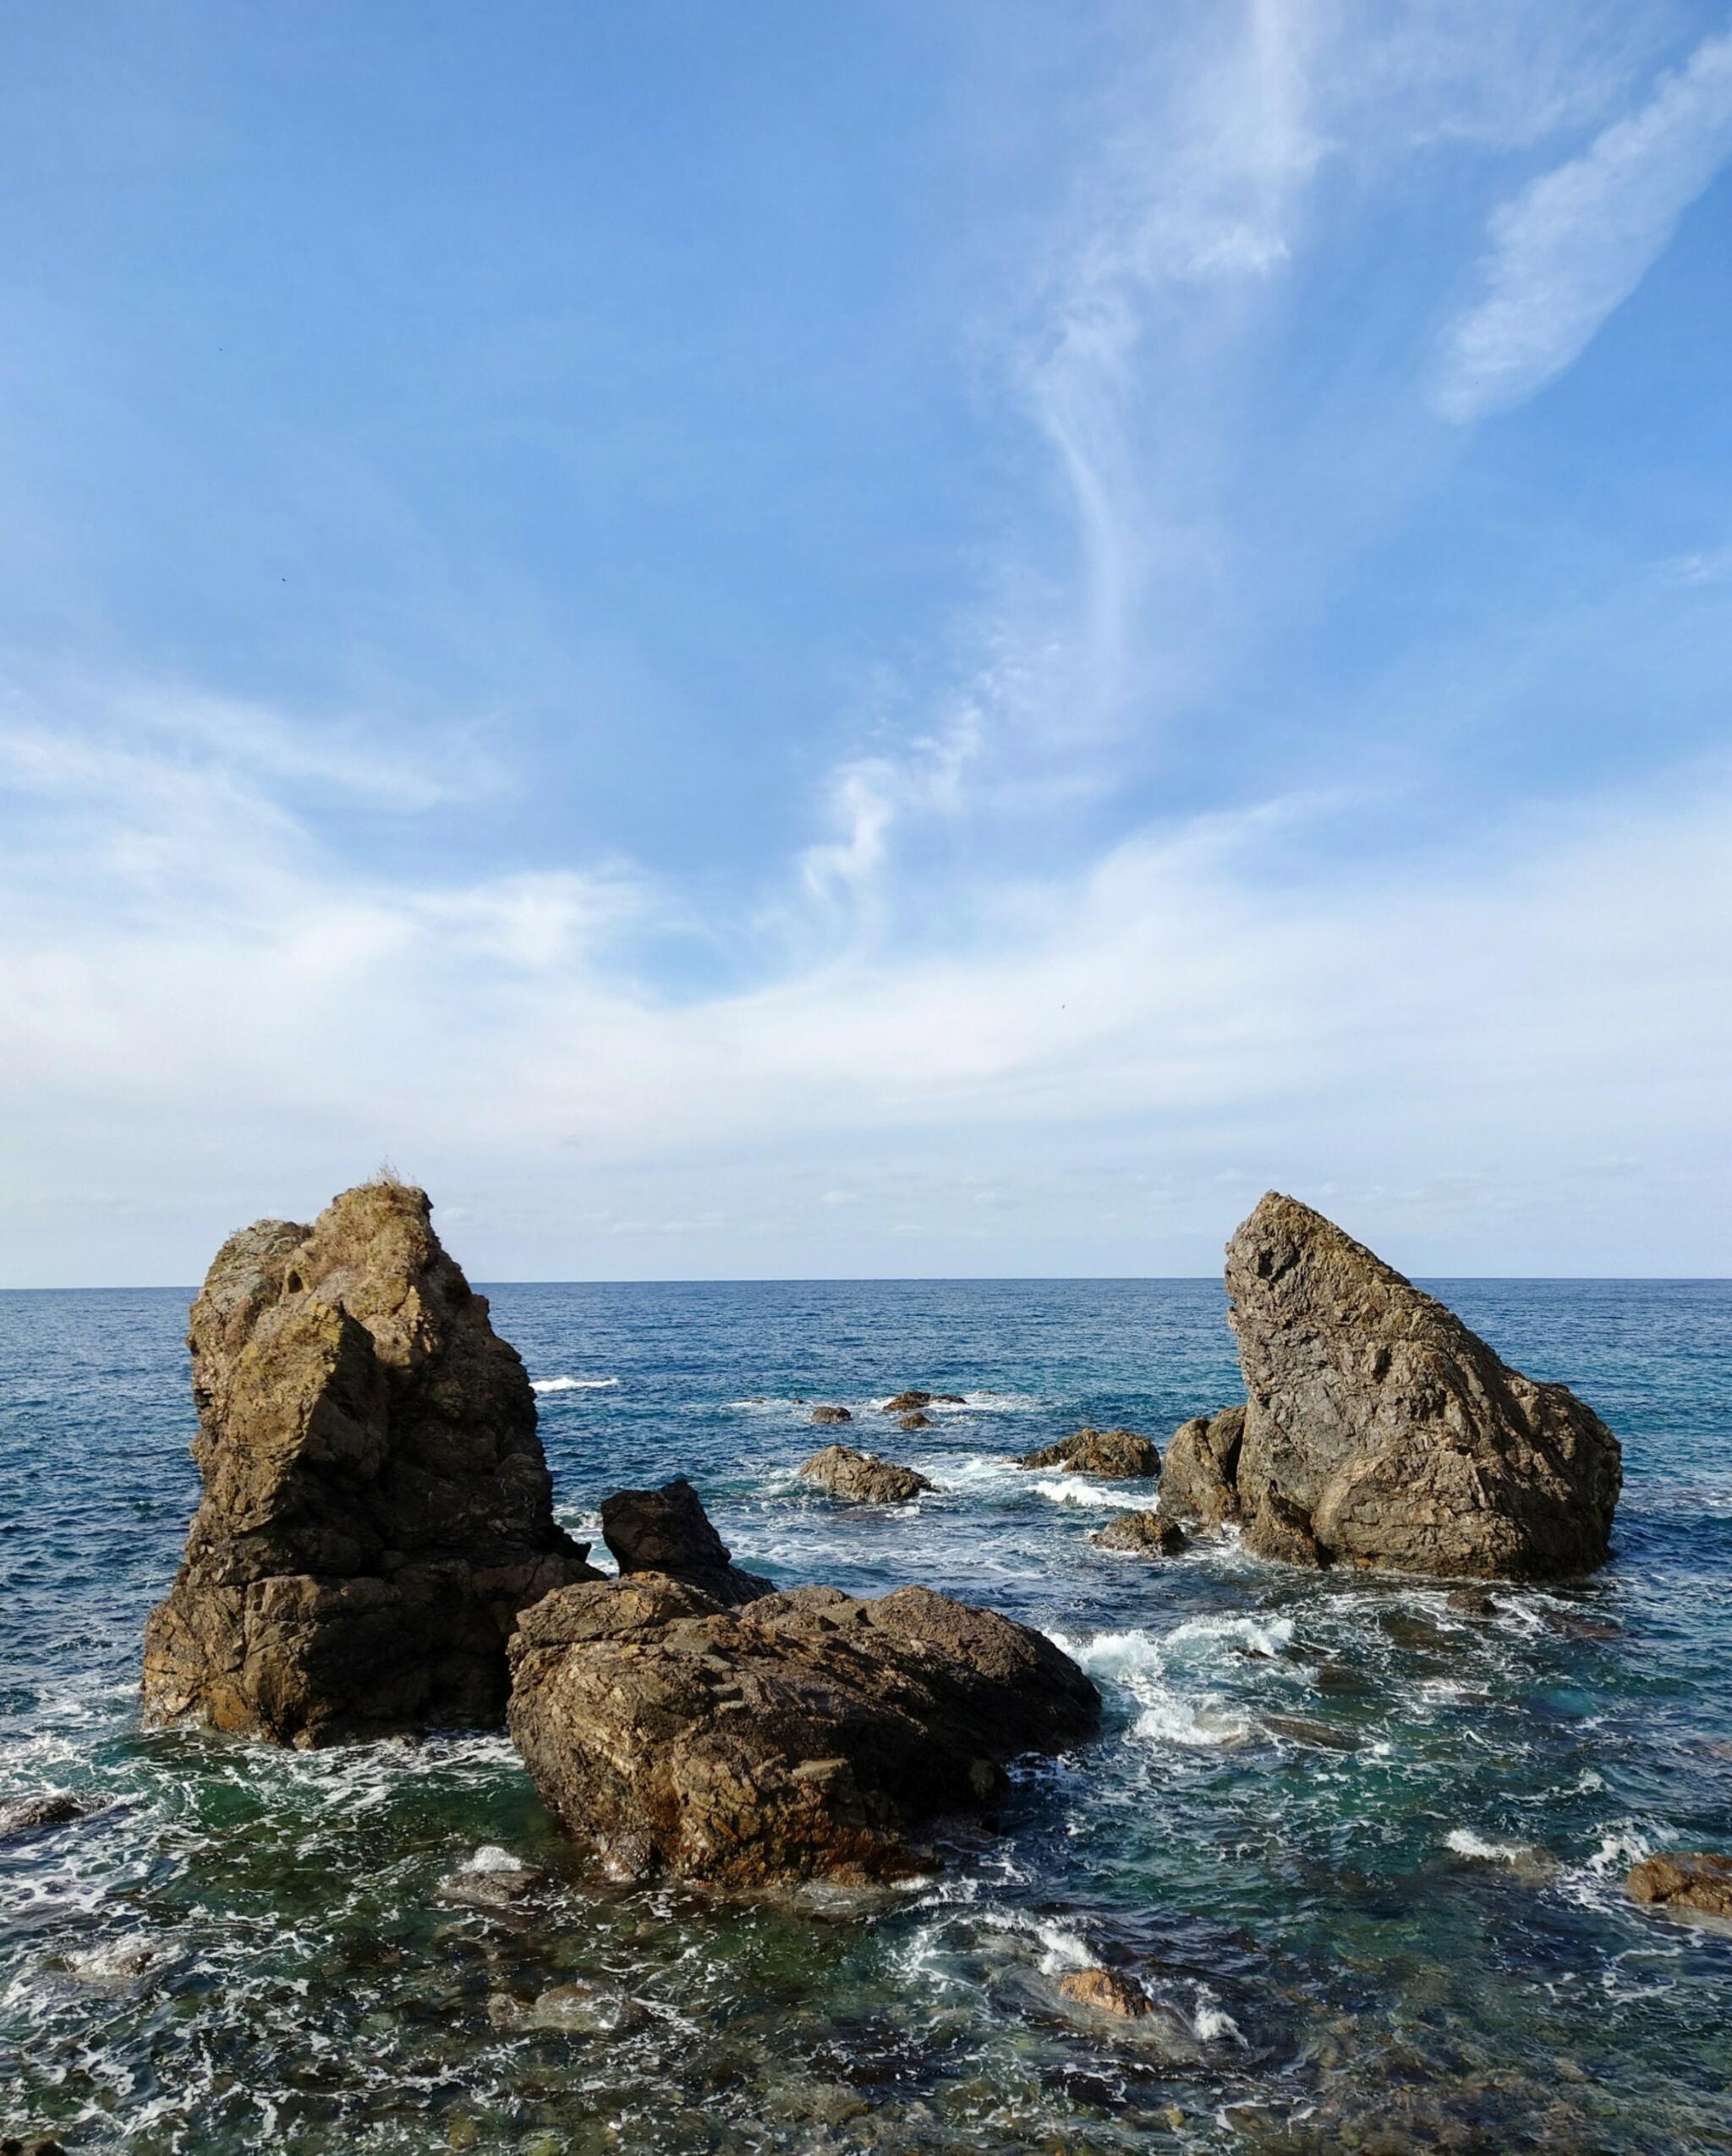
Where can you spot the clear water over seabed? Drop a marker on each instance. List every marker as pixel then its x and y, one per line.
pixel 1366 1852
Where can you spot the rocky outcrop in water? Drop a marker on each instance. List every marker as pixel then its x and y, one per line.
pixel 804 1736
pixel 1690 1882
pixel 1395 1431
pixel 1141 1535
pixel 668 1531
pixel 862 1477
pixel 1117 1454
pixel 1378 1431
pixel 910 1403
pixel 830 1415
pixel 376 1508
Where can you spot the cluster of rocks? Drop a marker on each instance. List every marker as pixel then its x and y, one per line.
pixel 374 1551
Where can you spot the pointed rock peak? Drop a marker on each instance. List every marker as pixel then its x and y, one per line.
pixel 1389 1433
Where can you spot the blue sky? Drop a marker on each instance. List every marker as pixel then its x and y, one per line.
pixel 917 638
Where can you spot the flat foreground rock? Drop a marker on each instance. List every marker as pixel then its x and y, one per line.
pixel 803 1736
pixel 376 1508
pixel 1378 1431
pixel 862 1477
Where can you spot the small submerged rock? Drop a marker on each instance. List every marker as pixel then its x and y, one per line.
pixel 1470 1602
pixel 493 1879
pixel 1117 1454
pixel 1686 1882
pixel 915 1421
pixel 911 1403
pixel 575 2009
pixel 862 1477
pixel 54 1807
pixel 830 1414
pixel 1107 1991
pixel 119 1963
pixel 1144 1535
pixel 1300 1729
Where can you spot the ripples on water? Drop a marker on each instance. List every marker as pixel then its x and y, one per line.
pixel 1366 1852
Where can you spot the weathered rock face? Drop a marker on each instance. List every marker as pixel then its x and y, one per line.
pixel 1393 1435
pixel 667 1531
pixel 801 1736
pixel 1144 1535
pixel 1119 1455
pixel 376 1508
pixel 1198 1477
pixel 1695 1882
pixel 862 1477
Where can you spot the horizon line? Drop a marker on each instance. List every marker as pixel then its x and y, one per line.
pixel 914 1279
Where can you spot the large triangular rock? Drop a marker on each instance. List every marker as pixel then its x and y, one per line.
pixel 1376 1420
pixel 376 1506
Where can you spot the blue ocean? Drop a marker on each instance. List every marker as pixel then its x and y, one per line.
pixel 1367 1852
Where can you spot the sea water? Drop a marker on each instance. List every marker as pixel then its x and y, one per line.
pixel 1366 1851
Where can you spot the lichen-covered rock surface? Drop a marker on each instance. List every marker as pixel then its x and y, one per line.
pixel 862 1477
pixel 377 1507
pixel 1115 1455
pixel 805 1736
pixel 1390 1433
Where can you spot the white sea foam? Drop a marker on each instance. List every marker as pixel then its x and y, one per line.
pixel 1078 1489
pixel 1211 2021
pixel 572 1384
pixel 490 1858
pixel 1463 1841
pixel 1137 1662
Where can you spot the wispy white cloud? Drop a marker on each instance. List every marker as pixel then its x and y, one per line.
pixel 1180 1007
pixel 1572 247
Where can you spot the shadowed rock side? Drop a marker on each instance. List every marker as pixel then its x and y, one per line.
pixel 1379 1431
pixel 376 1508
pixel 804 1736
pixel 862 1477
pixel 668 1531
pixel 1119 1455
pixel 1199 1478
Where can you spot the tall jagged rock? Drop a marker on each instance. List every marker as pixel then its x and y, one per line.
pixel 1378 1426
pixel 376 1506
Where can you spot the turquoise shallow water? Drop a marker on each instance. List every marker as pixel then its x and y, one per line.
pixel 1369 1854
